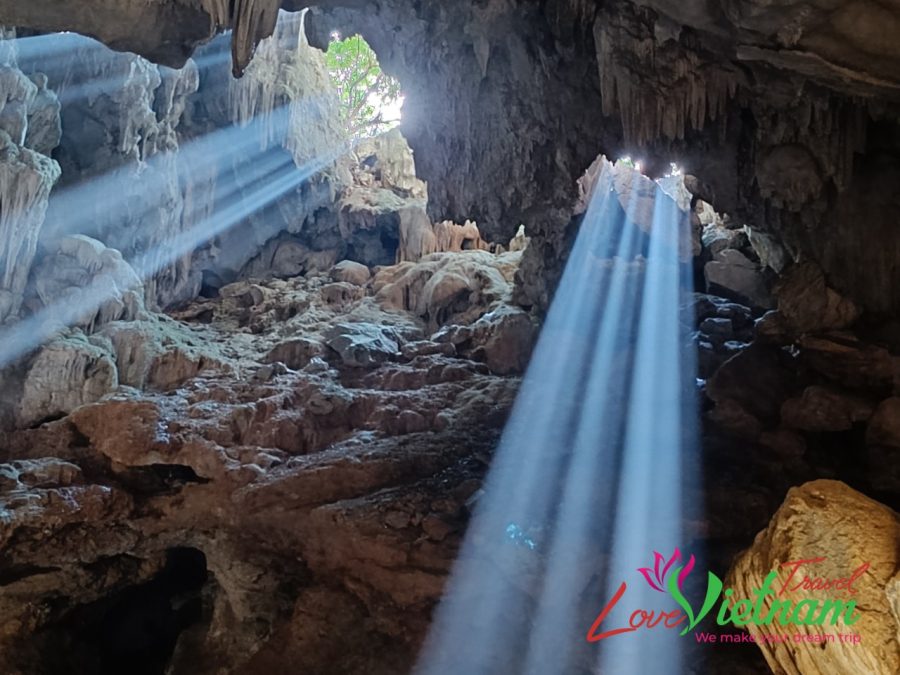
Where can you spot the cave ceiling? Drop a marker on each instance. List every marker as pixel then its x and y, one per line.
pixel 508 102
pixel 850 46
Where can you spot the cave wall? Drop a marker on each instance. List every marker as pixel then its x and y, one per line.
pixel 29 131
pixel 509 101
pixel 771 110
pixel 138 156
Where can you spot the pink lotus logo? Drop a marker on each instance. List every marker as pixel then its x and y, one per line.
pixel 658 580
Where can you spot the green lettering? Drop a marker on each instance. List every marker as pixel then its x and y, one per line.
pixel 740 615
pixel 837 607
pixel 721 617
pixel 810 605
pixel 713 590
pixel 785 607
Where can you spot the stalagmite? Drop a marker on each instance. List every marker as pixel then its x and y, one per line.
pixel 419 238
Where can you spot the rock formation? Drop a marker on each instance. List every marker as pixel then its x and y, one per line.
pixel 29 131
pixel 314 399
pixel 839 532
pixel 262 373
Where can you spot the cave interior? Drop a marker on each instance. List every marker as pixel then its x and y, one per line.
pixel 259 362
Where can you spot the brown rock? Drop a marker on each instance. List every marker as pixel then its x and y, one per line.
pixel 295 353
pixel 350 272
pixel 67 373
pixel 436 528
pixel 806 304
pixel 824 409
pixel 732 417
pixel 845 359
pixel 341 293
pixel 733 275
pixel 884 427
pixel 826 519
pixel 758 378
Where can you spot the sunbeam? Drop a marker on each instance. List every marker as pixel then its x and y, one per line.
pixel 281 175
pixel 587 480
pixel 71 208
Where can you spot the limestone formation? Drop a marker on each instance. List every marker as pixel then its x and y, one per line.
pixel 350 272
pixel 732 274
pixel 237 434
pixel 86 281
pixel 443 288
pixel 845 534
pixel 66 374
pixel 278 470
pixel 807 304
pixel 29 131
pixel 420 238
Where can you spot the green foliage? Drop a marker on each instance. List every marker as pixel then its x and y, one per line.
pixel 365 91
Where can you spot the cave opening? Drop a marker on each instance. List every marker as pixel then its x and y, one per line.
pixel 133 630
pixel 371 101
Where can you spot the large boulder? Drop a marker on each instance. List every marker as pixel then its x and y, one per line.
pixel 821 408
pixel 363 345
pixel 842 534
pixel 735 276
pixel 67 373
pixel 806 304
pixel 83 282
pixel 350 272
pixel 502 339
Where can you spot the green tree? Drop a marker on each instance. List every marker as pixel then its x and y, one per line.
pixel 365 91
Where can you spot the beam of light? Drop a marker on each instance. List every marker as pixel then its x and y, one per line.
pixel 652 478
pixel 72 209
pixel 48 53
pixel 578 540
pixel 70 91
pixel 122 190
pixel 50 49
pixel 61 57
pixel 567 509
pixel 261 191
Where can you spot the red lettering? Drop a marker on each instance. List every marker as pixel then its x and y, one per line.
pixel 677 615
pixel 795 565
pixel 591 634
pixel 856 575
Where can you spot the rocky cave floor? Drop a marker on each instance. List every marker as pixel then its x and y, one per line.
pixel 298 459
pixel 283 473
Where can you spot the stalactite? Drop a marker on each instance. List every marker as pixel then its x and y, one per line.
pixel 285 90
pixel 251 21
pixel 679 89
pixel 267 82
pixel 833 129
